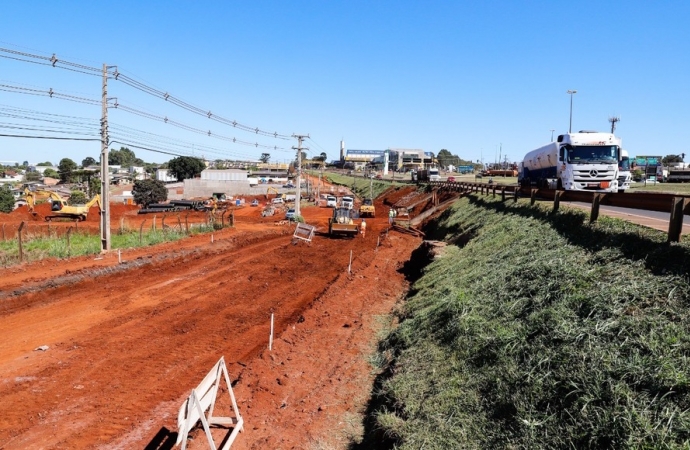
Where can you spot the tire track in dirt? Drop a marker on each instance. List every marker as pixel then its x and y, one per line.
pixel 127 344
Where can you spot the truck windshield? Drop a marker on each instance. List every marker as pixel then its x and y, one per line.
pixel 592 154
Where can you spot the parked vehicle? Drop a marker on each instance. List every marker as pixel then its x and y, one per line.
pixel 584 161
pixel 278 201
pixel 347 202
pixel 450 179
pixel 290 214
pixel 331 201
pixel 255 202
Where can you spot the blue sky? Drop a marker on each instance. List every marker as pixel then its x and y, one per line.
pixel 470 77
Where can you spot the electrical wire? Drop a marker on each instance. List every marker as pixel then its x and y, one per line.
pixel 118 76
pixel 48 137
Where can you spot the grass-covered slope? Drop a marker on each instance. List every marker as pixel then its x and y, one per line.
pixel 542 332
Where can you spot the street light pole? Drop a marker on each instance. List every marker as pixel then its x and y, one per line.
pixel 552 134
pixel 571 92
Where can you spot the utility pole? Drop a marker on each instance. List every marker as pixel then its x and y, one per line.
pixel 299 148
pixel 105 182
pixel 614 120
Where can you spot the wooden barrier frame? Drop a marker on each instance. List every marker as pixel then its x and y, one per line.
pixel 304 232
pixel 203 398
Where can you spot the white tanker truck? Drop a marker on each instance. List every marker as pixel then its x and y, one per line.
pixel 584 161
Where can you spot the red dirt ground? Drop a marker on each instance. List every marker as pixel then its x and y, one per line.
pixel 127 342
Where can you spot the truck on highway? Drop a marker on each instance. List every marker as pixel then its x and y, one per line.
pixel 584 161
pixel 624 174
pixel 431 174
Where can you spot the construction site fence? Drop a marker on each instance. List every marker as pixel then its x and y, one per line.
pixel 675 204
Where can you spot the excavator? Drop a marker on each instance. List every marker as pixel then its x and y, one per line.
pixel 60 208
pixel 275 191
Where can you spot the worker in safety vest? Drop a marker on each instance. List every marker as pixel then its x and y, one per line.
pixel 363 228
pixel 391 215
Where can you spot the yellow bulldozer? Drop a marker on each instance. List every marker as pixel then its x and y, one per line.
pixel 59 207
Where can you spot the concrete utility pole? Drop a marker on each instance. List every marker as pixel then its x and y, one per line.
pixel 299 148
pixel 571 92
pixel 105 182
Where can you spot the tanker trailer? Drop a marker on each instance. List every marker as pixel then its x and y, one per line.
pixel 584 161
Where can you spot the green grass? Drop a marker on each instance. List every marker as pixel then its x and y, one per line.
pixel 669 188
pixel 41 247
pixel 541 332
pixel 362 187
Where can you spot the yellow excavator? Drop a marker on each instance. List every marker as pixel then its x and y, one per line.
pixel 59 208
pixel 275 191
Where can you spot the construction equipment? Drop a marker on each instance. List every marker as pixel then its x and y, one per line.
pixel 268 211
pixel 60 208
pixel 367 209
pixel 275 191
pixel 341 223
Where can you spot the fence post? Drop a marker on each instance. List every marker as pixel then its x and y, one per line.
pixel 533 196
pixel 503 194
pixel 675 224
pixel 186 222
pixel 179 222
pixel 3 232
pixel 69 246
pixel 141 229
pixel 153 225
pixel 515 195
pixel 122 225
pixel 494 191
pixel 163 223
pixel 596 201
pixel 557 201
pixel 19 238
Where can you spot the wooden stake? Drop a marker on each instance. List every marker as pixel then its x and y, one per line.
pixel 270 338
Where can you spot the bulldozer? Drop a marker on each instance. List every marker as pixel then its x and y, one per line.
pixel 367 209
pixel 342 224
pixel 60 208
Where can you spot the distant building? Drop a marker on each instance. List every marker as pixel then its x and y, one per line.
pixel 165 176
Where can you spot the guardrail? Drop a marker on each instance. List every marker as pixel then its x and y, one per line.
pixel 677 205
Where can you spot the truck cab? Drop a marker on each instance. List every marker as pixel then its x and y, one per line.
pixel 347 202
pixel 624 174
pixel 331 201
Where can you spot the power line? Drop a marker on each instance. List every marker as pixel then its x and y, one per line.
pixel 48 137
pixel 118 76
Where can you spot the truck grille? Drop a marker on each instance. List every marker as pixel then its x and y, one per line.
pixel 593 175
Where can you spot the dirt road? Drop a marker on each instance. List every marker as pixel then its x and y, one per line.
pixel 127 342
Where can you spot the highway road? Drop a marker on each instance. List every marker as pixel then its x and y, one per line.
pixel 652 219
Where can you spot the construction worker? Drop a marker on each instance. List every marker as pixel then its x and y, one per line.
pixel 363 228
pixel 391 215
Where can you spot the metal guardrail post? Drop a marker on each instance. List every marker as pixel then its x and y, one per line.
pixel 515 195
pixel 533 196
pixel 503 194
pixel 675 224
pixel 596 201
pixel 494 191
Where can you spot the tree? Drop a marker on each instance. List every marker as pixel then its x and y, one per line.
pixel 94 186
pixel 265 157
pixel 446 158
pixel 77 198
pixel 51 173
pixel 88 161
pixel 123 157
pixel 65 168
pixel 672 159
pixel 32 176
pixel 47 163
pixel 6 199
pixel 146 192
pixel 185 167
pixel 323 156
